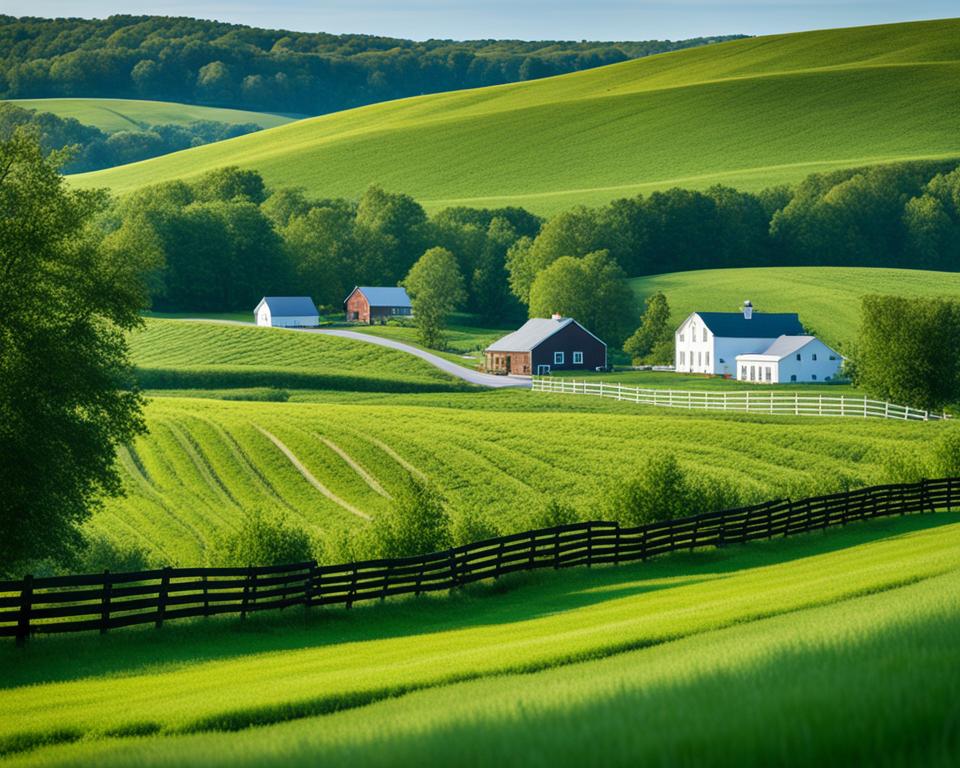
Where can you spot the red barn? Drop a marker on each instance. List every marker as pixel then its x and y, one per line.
pixel 370 305
pixel 543 345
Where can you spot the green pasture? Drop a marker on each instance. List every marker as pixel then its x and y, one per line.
pixel 837 646
pixel 777 109
pixel 826 298
pixel 112 115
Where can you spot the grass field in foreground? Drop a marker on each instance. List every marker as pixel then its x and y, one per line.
pixel 826 298
pixel 748 113
pixel 184 354
pixel 206 462
pixel 112 115
pixel 832 647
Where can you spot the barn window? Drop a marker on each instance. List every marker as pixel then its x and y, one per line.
pixel 793 377
pixel 578 358
pixel 814 377
pixel 814 357
pixel 558 358
pixel 833 357
pixel 798 356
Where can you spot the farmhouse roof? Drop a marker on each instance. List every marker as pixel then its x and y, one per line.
pixel 289 306
pixel 532 333
pixel 785 346
pixel 383 296
pixel 763 325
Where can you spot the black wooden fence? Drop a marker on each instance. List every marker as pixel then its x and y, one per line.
pixel 109 600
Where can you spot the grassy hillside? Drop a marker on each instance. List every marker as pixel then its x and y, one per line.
pixel 827 298
pixel 206 462
pixel 182 354
pixel 748 113
pixel 750 655
pixel 127 114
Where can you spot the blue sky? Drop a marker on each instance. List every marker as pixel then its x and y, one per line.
pixel 526 19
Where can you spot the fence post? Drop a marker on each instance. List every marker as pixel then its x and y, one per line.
pixel 886 409
pixel 843 401
pixel 245 600
pixel 206 597
pixel 796 403
pixel 309 587
pixel 496 575
pixel 590 544
pixel 162 597
pixel 26 603
pixel 556 550
pixel 616 545
pixel 105 603
pixel 820 405
pixel 353 587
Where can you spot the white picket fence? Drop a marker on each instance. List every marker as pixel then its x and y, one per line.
pixel 748 401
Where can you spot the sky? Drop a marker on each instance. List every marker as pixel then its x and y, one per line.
pixel 523 19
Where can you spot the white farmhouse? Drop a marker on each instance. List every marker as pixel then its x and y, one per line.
pixel 286 312
pixel 720 342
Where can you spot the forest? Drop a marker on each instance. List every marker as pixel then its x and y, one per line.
pixel 218 64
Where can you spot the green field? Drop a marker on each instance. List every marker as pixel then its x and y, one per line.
pixel 747 113
pixel 126 114
pixel 832 647
pixel 826 298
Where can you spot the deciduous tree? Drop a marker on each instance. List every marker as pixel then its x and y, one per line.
pixel 436 289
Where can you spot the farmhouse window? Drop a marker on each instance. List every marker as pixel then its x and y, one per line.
pixel 753 373
pixel 578 358
pixel 743 372
pixel 704 333
pixel 699 358
pixel 681 337
pixel 708 357
pixel 558 358
pixel 683 357
pixel 769 374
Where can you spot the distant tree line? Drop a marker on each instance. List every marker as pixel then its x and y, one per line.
pixel 208 62
pixel 92 149
pixel 228 240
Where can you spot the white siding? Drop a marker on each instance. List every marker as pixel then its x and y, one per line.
pixel 808 369
pixel 295 321
pixel 697 347
pixel 263 314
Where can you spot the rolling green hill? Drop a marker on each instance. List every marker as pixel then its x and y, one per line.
pixel 130 114
pixel 747 113
pixel 742 656
pixel 827 298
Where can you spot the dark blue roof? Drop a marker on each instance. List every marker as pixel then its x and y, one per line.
pixel 763 325
pixel 384 296
pixel 290 306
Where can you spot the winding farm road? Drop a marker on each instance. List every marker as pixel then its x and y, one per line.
pixel 473 377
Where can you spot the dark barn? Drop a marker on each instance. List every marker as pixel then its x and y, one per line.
pixel 543 345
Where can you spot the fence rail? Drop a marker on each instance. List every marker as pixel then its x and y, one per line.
pixel 773 401
pixel 104 601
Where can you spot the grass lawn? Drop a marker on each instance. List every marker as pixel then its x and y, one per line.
pixel 780 107
pixel 839 646
pixel 113 115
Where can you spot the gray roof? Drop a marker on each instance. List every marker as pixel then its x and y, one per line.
pixel 290 306
pixel 384 296
pixel 529 335
pixel 763 325
pixel 785 346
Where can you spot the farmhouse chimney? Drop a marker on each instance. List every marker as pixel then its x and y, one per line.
pixel 556 316
pixel 747 310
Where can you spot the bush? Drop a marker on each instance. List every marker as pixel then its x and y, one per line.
pixel 264 539
pixel 553 512
pixel 417 523
pixel 103 554
pixel 468 527
pixel 945 459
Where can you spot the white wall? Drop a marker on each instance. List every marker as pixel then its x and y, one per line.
pixel 295 321
pixel 263 315
pixel 698 354
pixel 728 349
pixel 808 369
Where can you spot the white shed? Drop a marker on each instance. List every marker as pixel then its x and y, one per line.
pixel 791 358
pixel 286 312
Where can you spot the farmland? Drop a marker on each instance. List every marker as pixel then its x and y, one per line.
pixel 780 107
pixel 111 115
pixel 826 298
pixel 736 653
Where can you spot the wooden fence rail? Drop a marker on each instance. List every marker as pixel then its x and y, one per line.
pixel 104 601
pixel 773 401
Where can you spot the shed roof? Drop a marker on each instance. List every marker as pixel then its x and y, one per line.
pixel 532 333
pixel 289 306
pixel 384 296
pixel 763 325
pixel 784 346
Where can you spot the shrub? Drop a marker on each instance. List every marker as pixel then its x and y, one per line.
pixel 468 527
pixel 102 554
pixel 264 539
pixel 415 525
pixel 945 460
pixel 553 512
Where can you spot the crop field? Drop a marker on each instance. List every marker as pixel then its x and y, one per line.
pixel 780 107
pixel 726 656
pixel 182 354
pixel 329 463
pixel 826 298
pixel 112 115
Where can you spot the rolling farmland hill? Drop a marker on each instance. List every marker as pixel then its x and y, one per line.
pixel 129 114
pixel 827 298
pixel 747 113
pixel 735 655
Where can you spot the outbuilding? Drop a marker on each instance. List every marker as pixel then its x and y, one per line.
pixel 542 345
pixel 789 359
pixel 377 304
pixel 286 312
